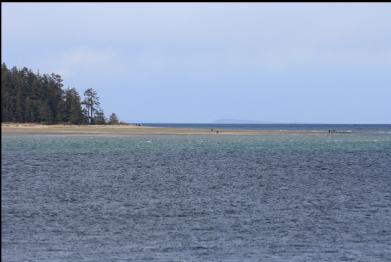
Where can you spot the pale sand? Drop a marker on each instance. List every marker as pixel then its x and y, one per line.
pixel 15 128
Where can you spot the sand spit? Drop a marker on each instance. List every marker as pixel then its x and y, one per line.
pixel 20 128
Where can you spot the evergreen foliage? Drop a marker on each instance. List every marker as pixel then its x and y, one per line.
pixel 113 119
pixel 30 97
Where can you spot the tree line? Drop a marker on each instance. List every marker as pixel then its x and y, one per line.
pixel 31 97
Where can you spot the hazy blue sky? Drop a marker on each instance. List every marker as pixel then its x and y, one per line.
pixel 197 62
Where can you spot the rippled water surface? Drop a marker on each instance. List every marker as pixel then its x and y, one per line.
pixel 196 198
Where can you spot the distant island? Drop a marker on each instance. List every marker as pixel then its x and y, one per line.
pixel 241 121
pixel 28 97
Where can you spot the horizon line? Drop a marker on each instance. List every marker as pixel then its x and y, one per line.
pixel 281 123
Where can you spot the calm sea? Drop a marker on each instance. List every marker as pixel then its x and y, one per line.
pixel 196 198
pixel 375 128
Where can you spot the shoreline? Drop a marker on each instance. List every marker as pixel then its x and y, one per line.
pixel 62 129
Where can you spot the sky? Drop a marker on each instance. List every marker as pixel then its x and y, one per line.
pixel 199 62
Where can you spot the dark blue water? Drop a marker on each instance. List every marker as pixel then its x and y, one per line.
pixel 196 198
pixel 379 128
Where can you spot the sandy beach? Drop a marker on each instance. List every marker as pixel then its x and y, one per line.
pixel 20 128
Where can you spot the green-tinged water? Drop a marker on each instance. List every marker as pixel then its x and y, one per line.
pixel 196 198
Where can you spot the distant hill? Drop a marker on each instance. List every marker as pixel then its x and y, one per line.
pixel 240 121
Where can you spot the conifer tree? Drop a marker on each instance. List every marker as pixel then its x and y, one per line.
pixel 31 97
pixel 91 103
pixel 113 119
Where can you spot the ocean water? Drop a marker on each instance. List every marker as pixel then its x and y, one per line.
pixel 354 128
pixel 196 198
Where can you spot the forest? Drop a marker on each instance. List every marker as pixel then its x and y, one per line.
pixel 28 97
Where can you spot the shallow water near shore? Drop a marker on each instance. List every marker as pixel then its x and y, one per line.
pixel 196 198
pixel 354 128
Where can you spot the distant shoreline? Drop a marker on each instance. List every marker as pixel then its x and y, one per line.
pixel 28 128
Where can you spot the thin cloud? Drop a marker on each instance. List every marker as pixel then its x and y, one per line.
pixel 76 60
